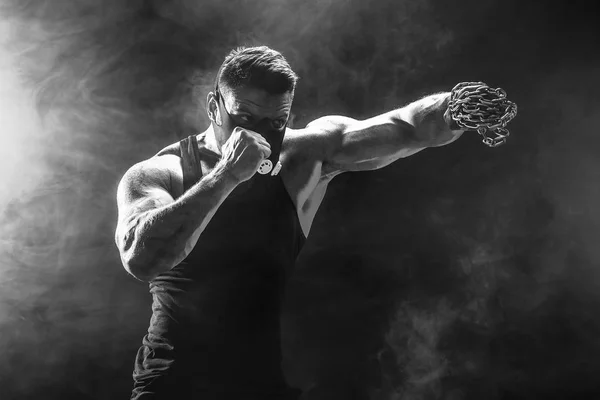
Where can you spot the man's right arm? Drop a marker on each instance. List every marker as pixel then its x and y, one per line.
pixel 156 232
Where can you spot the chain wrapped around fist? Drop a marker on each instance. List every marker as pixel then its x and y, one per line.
pixel 476 106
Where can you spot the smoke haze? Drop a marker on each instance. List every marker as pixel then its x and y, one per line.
pixel 459 273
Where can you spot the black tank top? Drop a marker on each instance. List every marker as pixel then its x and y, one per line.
pixel 215 316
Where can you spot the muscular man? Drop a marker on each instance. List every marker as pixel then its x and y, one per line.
pixel 214 223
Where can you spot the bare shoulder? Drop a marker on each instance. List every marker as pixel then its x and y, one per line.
pixel 170 164
pixel 331 123
pixel 315 143
pixel 164 170
pixel 158 177
pixel 303 153
pixel 304 173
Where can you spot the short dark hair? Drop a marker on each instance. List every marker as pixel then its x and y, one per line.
pixel 259 67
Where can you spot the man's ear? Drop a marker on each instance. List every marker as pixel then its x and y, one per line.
pixel 212 108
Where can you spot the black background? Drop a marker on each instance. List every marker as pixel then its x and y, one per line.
pixel 462 272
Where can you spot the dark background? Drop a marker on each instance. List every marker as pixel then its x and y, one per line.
pixel 462 272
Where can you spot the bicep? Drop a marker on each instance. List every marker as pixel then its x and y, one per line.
pixel 359 145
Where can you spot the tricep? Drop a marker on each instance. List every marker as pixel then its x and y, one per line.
pixel 144 187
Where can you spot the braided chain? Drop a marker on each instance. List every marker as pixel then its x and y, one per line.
pixel 476 106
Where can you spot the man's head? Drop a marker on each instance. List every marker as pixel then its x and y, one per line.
pixel 254 89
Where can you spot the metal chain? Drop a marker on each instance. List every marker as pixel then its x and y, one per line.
pixel 476 106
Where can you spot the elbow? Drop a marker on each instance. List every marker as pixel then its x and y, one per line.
pixel 131 257
pixel 143 270
pixel 124 242
pixel 137 271
pixel 145 259
pixel 135 265
pixel 132 265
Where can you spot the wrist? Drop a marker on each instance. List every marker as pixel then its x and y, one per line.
pixel 223 172
pixel 450 122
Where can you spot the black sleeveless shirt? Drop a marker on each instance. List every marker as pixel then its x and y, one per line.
pixel 215 317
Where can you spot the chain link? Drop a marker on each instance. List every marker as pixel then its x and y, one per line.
pixel 476 106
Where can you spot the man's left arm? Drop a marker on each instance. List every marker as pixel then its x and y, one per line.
pixel 359 145
pixel 435 120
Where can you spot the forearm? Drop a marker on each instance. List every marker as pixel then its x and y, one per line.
pixel 164 236
pixel 378 141
pixel 432 124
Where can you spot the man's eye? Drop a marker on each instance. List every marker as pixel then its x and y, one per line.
pixel 278 124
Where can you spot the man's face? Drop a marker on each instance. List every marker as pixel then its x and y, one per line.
pixel 253 109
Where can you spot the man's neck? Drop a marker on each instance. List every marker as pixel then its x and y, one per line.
pixel 210 140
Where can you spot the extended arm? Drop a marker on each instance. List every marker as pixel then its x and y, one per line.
pixel 353 145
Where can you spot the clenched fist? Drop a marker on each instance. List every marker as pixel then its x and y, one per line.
pixel 243 152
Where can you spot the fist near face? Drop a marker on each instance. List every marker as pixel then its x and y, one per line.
pixel 243 153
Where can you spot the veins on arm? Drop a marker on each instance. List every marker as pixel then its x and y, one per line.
pixel 142 190
pixel 358 145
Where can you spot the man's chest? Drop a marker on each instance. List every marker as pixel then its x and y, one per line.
pixel 306 180
pixel 302 175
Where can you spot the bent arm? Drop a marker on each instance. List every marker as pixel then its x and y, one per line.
pixel 357 145
pixel 155 233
